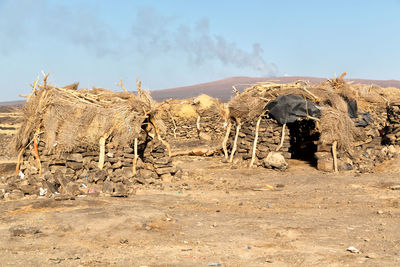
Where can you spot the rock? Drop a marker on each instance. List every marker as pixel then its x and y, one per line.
pixel 29 189
pixel 353 250
pixel 325 165
pixel 275 160
pixel 178 173
pixel 55 168
pixel 162 161
pixel 15 194
pixel 120 188
pixel 72 189
pixel 76 157
pixel 23 231
pixel 110 154
pixel 74 165
pixel 126 172
pixel 50 186
pixel 99 175
pixel 205 137
pixel 395 187
pixel 117 165
pixel 161 171
pixel 167 177
pixel 200 151
pixel 146 174
pixel 108 187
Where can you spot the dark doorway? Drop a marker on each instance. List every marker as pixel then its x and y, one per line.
pixel 303 139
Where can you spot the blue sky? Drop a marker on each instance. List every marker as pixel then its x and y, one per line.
pixel 175 43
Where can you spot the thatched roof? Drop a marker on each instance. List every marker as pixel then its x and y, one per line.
pixel 67 118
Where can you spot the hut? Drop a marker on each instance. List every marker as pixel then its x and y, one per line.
pixel 89 141
pixel 193 123
pixel 333 125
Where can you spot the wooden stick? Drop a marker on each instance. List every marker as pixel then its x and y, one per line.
pixel 282 138
pixel 35 83
pixel 228 131
pixel 135 149
pixel 173 122
pixel 102 144
pixel 122 86
pixel 334 154
pixel 36 147
pixel 21 153
pixel 45 79
pixel 253 154
pixel 198 123
pixel 238 126
pixel 165 143
pixel 311 94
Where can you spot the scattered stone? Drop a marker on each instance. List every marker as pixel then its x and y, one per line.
pixel 275 160
pixel 352 250
pixel 21 231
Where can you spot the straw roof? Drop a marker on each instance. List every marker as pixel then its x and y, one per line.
pixel 67 118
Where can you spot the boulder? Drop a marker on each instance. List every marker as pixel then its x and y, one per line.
pixel 275 160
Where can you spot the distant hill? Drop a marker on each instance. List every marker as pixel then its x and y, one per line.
pixel 222 89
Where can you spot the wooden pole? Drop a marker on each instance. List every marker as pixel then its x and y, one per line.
pixel 334 154
pixel 282 138
pixel 36 147
pixel 21 153
pixel 198 125
pixel 253 153
pixel 238 126
pixel 228 131
pixel 135 149
pixel 102 144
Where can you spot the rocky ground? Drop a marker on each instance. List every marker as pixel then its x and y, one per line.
pixel 218 213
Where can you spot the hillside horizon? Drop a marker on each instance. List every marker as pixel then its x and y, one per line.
pixel 223 88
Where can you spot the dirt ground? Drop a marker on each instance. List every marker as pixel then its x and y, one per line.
pixel 216 214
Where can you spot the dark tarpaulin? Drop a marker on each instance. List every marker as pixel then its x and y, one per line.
pixel 288 108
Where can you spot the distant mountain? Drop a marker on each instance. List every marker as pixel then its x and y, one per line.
pixel 222 89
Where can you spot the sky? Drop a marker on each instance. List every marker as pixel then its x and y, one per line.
pixel 181 42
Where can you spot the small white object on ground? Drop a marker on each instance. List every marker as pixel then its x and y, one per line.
pixel 353 250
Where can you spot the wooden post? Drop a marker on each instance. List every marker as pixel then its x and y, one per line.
pixel 282 138
pixel 253 154
pixel 21 153
pixel 228 131
pixel 36 147
pixel 102 144
pixel 135 149
pixel 238 126
pixel 334 154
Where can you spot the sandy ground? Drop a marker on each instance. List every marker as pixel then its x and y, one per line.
pixel 217 214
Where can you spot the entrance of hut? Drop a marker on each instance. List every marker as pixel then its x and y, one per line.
pixel 303 138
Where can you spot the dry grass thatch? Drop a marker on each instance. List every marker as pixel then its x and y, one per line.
pixel 67 118
pixel 192 108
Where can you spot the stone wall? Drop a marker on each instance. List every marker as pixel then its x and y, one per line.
pixel 269 138
pixel 210 133
pixel 78 173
